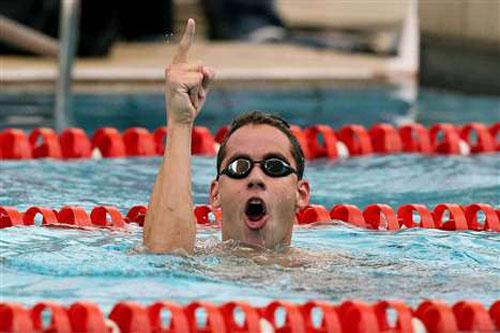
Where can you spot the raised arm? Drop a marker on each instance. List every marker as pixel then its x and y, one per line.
pixel 169 224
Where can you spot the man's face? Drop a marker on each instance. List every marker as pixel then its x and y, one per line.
pixel 259 209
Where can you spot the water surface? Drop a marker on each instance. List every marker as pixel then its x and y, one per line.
pixel 345 262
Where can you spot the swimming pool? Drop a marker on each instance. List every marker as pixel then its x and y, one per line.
pixel 108 266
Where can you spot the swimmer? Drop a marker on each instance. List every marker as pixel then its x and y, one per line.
pixel 259 184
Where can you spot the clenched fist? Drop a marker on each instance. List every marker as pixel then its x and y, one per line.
pixel 186 82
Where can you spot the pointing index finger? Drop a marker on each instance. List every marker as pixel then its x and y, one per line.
pixel 181 54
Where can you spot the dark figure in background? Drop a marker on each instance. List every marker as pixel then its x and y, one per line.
pixel 104 22
pixel 101 22
pixel 254 20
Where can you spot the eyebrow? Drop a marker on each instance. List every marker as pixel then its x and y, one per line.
pixel 236 156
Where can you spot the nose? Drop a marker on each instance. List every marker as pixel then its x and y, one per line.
pixel 255 183
pixel 256 179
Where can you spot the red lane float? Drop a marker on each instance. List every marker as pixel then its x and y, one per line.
pixel 178 320
pixel 59 320
pixel 494 313
pixel 495 133
pixel 136 214
pixel 374 217
pixel 472 317
pixel 415 138
pixel 45 143
pixel 385 139
pixel 75 143
pixel 139 142
pixel 298 133
pixel 86 317
pixel 14 145
pixel 330 321
pixel 356 138
pixel 160 136
pixel 484 142
pixel 48 215
pixel 15 318
pixel 437 317
pixel 294 321
pixel 251 322
pixel 380 217
pixel 456 217
pixel 311 214
pixel 348 213
pixel 450 141
pixel 109 142
pixel 491 222
pixel 99 217
pixel 382 138
pixel 351 316
pixel 356 317
pixel 406 216
pixel 221 133
pixel 73 215
pixel 202 214
pixel 10 217
pixel 202 142
pixel 130 317
pixel 403 323
pixel 327 148
pixel 214 319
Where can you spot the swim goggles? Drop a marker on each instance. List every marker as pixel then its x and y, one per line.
pixel 273 167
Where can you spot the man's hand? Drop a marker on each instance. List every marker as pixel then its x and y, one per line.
pixel 186 82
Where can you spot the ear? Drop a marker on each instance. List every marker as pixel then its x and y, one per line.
pixel 214 194
pixel 303 193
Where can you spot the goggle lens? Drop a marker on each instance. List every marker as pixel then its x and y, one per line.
pixel 239 168
pixel 276 167
pixel 273 167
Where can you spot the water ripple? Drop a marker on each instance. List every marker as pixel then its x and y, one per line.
pixel 336 262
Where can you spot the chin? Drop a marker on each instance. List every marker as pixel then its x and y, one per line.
pixel 253 237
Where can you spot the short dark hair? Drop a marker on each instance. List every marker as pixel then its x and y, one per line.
pixel 262 118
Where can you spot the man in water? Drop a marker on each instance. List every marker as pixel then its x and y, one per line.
pixel 259 185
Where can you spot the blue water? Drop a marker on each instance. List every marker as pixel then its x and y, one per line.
pixel 338 261
pixel 342 262
pixel 302 106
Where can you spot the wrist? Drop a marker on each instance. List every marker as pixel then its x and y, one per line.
pixel 174 124
pixel 179 116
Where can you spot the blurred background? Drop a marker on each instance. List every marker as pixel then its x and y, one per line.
pixel 90 64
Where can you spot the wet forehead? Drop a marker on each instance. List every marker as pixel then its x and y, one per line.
pixel 258 141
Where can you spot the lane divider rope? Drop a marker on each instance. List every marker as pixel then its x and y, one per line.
pixel 317 141
pixel 350 316
pixel 444 216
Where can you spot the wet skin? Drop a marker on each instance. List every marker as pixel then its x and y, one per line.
pixel 282 195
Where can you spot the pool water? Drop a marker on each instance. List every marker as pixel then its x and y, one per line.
pixel 345 262
pixel 338 261
pixel 333 106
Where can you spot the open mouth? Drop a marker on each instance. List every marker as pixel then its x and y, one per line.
pixel 255 213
